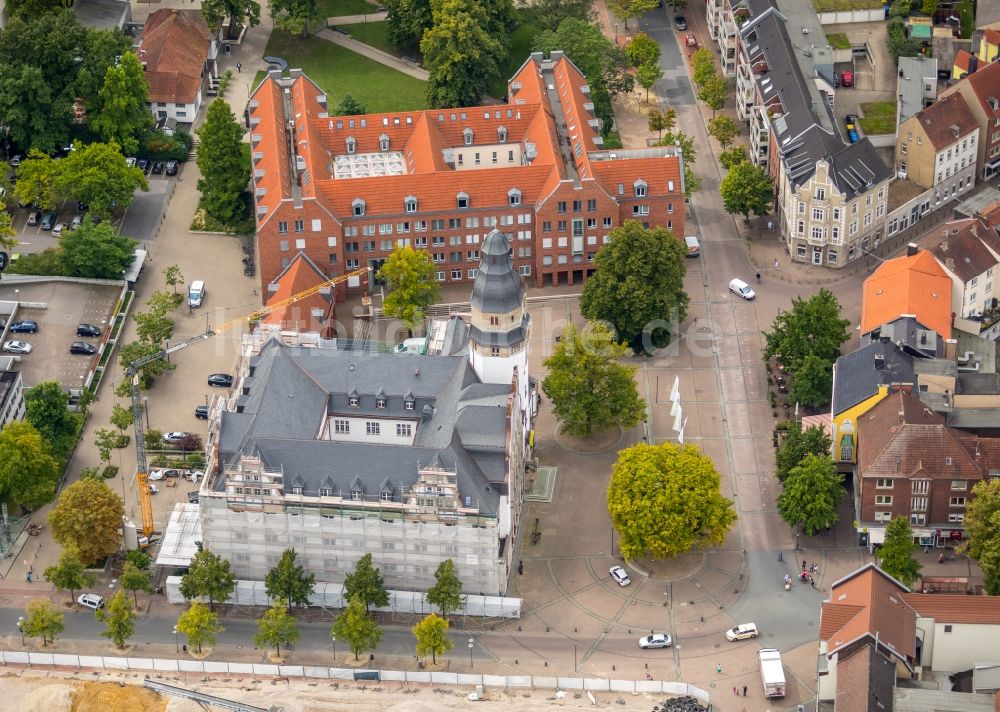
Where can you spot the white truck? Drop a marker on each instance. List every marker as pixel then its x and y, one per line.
pixel 771 672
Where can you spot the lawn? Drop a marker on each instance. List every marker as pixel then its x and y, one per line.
pixel 838 40
pixel 844 5
pixel 339 71
pixel 374 34
pixel 341 8
pixel 521 40
pixel 879 117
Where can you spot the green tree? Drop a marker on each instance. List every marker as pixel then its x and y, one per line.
pixel 811 493
pixel 119 619
pixel 139 559
pixel 356 627
pixel 813 382
pixel 239 12
pixel 96 252
pixel 929 7
pixel 96 174
pixel 982 527
pixel 799 443
pixel 627 9
pixel 153 325
pixel 811 326
pixel 31 8
pixel 28 472
pixel 105 440
pixel 647 75
pixel 460 55
pixel 736 154
pixel 660 121
pixel 135 579
pixel 747 189
pixel 724 130
pixel 88 515
pixel 224 174
pixel 172 276
pixel 642 49
pixel 446 593
pixel 899 43
pixel 366 583
pixel 896 554
pixel 682 140
pixel 209 576
pixel 69 574
pixel 101 51
pixel 549 13
pixel 406 21
pixel 295 16
pixel 702 65
pixel 410 276
pixel 289 582
pixel 664 500
pixel 8 235
pixel 275 627
pixel 43 621
pixel 349 106
pixel 133 352
pixel 714 92
pixel 36 180
pixel 432 636
pixel 124 115
pixel 639 285
pixel 589 388
pixel 47 409
pixel 200 625
pixel 122 419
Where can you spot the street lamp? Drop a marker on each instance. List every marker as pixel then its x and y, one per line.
pixel 20 627
pixel 177 645
pixel 145 407
pixel 472 642
pixel 334 639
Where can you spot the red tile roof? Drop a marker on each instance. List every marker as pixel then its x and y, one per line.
pixel 951 608
pixel 985 83
pixel 174 47
pixel 964 60
pixel 961 251
pixel 915 285
pixel 947 121
pixel 311 313
pixel 991 36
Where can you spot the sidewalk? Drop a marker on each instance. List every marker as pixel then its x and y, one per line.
pixel 377 55
pixel 357 19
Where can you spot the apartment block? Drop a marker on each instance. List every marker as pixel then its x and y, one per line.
pixel 937 148
pixel 981 91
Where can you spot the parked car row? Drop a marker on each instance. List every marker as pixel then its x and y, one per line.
pixel 29 326
pixel 152 167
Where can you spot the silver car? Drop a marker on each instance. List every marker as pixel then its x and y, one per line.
pixel 91 601
pixel 620 576
pixel 656 640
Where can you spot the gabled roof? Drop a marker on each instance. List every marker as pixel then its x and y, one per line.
pixel 962 252
pixel 858 375
pixel 947 121
pixel 985 84
pixel 174 48
pixel 965 61
pixel 915 285
pixel 300 275
pixel 956 608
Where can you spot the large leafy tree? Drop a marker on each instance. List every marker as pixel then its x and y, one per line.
pixel 446 593
pixel 732 156
pixel 43 621
pixel 406 21
pixel 665 500
pixel 413 288
pixel 724 130
pixel 289 582
pixel 366 583
pixel 460 54
pixel 350 106
pixel 747 189
pixel 550 13
pixel 799 443
pixel 642 49
pixel 589 388
pixel 96 251
pixel 69 574
pixel 356 627
pixel 124 116
pixel 275 627
pixel 811 493
pixel 702 65
pixel 104 47
pixel 295 16
pixel 628 9
pixel 208 576
pixel 982 525
pixel 28 471
pixel 96 174
pixel 36 180
pixel 714 92
pixel 88 515
pixel 135 579
pixel 432 637
pixel 239 13
pixel 31 8
pixel 811 326
pixel 118 618
pixel 224 174
pixel 639 285
pixel 647 75
pixel 200 625
pixel 813 383
pixel 896 554
pixel 47 409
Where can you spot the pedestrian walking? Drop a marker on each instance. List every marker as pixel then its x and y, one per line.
pixel 735 691
pixel 776 263
pixel 239 67
pixel 758 278
pixel 520 567
pixel 744 690
pixel 718 668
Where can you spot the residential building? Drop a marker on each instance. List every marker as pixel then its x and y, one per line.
pixel 965 64
pixel 937 148
pixel 911 285
pixel 981 91
pixel 412 458
pixel 989 45
pixel 178 54
pixel 347 190
pixel 312 313
pixel 916 86
pixel 11 393
pixel 969 253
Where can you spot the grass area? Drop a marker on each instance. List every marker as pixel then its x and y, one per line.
pixel 373 34
pixel 845 5
pixel 838 40
pixel 965 15
pixel 339 71
pixel 879 117
pixel 521 40
pixel 340 8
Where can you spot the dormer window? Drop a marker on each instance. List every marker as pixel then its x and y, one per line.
pixel 380 402
pixel 670 186
pixel 467 135
pixel 408 404
pixel 410 203
pixel 386 495
pixel 383 142
pixel 640 188
pixel 358 205
pixel 353 401
pixel 514 196
pixel 463 201
pixel 351 144
pixel 502 134
pixel 356 495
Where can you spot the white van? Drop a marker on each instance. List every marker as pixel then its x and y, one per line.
pixel 196 293
pixel 693 246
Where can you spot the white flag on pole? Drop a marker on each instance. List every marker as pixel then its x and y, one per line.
pixel 675 407
pixel 680 435
pixel 675 392
pixel 677 421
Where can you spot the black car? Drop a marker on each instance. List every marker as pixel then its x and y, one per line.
pixel 201 412
pixel 680 23
pixel 221 380
pixel 82 348
pixel 158 167
pixel 143 165
pixel 171 168
pixel 88 330
pixel 24 327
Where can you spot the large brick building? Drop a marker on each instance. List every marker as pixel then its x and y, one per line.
pixel 346 190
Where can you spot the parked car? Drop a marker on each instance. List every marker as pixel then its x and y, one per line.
pixel 656 640
pixel 17 347
pixel 88 330
pixel 130 162
pixel 25 326
pixel 853 136
pixel 142 165
pixel 49 220
pixel 77 222
pixel 851 120
pixel 171 168
pixel 15 161
pixel 91 600
pixel 221 380
pixel 680 23
pixel 847 79
pixel 57 231
pixel 162 474
pixel 153 489
pixel 620 575
pixel 193 496
pixel 158 167
pixel 742 289
pixel 742 632
pixel 194 476
pixel 201 412
pixel 82 348
pixel 174 437
pixel 34 217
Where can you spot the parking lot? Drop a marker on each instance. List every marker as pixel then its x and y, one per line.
pixel 58 307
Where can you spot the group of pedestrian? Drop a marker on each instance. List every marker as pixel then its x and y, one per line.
pixel 736 691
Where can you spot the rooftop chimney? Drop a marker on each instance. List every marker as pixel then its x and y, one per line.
pixel 911 249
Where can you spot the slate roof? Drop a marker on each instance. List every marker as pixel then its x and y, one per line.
pixel 963 253
pixel 856 376
pixel 174 47
pixel 498 288
pixel 915 285
pixel 947 120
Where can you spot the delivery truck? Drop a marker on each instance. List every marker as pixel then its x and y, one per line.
pixel 771 672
